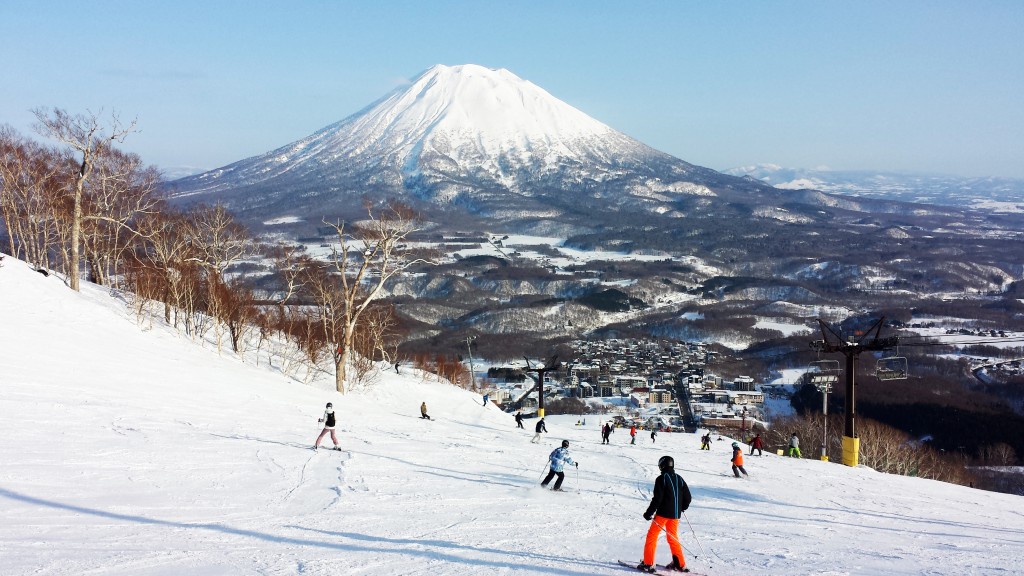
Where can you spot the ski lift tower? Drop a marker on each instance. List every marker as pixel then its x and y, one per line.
pixel 823 375
pixel 549 366
pixel 833 342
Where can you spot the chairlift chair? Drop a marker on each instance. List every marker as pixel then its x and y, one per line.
pixel 823 374
pixel 891 368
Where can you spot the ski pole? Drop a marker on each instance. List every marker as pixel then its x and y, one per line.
pixel 577 478
pixel 694 533
pixel 672 536
pixel 542 471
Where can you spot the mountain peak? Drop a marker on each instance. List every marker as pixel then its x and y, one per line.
pixel 480 135
pixel 499 109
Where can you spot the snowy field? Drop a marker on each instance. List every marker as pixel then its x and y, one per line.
pixel 136 452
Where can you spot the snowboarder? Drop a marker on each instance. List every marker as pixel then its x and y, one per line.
pixel 705 441
pixel 794 446
pixel 559 458
pixel 519 419
pixel 757 444
pixel 737 460
pixel 671 498
pixel 423 411
pixel 539 428
pixel 329 422
pixel 606 432
pixel 632 434
pixel 654 434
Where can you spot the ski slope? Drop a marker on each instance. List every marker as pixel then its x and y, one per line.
pixel 129 450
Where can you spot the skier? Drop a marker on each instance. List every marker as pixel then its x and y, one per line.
pixel 559 457
pixel 654 433
pixel 632 434
pixel 671 498
pixel 705 441
pixel 606 432
pixel 737 460
pixel 539 428
pixel 519 419
pixel 486 397
pixel 757 444
pixel 794 446
pixel 329 422
pixel 423 411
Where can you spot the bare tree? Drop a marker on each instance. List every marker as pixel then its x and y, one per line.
pixel 219 241
pixel 168 259
pixel 31 186
pixel 122 190
pixel 370 253
pixel 1000 454
pixel 84 135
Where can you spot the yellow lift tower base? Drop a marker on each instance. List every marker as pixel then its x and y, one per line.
pixel 851 450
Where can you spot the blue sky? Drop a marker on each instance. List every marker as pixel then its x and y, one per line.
pixel 907 86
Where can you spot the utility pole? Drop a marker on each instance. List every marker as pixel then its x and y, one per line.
pixel 832 342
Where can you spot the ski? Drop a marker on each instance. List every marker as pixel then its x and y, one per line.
pixel 659 569
pixel 632 566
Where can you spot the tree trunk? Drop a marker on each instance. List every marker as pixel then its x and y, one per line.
pixel 76 232
pixel 340 366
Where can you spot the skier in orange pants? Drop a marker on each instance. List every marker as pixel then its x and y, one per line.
pixel 671 498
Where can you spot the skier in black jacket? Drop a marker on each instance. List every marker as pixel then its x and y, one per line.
pixel 329 423
pixel 671 498
pixel 539 428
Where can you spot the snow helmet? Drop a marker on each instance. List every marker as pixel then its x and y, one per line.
pixel 329 405
pixel 565 443
pixel 666 463
pixel 735 444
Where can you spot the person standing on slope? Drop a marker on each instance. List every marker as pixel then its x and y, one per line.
pixel 737 460
pixel 705 441
pixel 654 434
pixel 423 411
pixel 559 458
pixel 519 419
pixel 329 423
pixel 606 433
pixel 486 398
pixel 539 428
pixel 671 498
pixel 757 444
pixel 632 434
pixel 794 446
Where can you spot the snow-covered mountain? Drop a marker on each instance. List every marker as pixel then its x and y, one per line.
pixel 995 194
pixel 484 139
pixel 129 450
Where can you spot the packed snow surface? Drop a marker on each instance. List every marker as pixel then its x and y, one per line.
pixel 127 449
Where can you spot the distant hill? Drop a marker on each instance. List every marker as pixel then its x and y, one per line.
pixel 995 194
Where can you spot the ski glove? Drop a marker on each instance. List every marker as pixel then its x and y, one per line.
pixel 648 516
pixel 577 464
